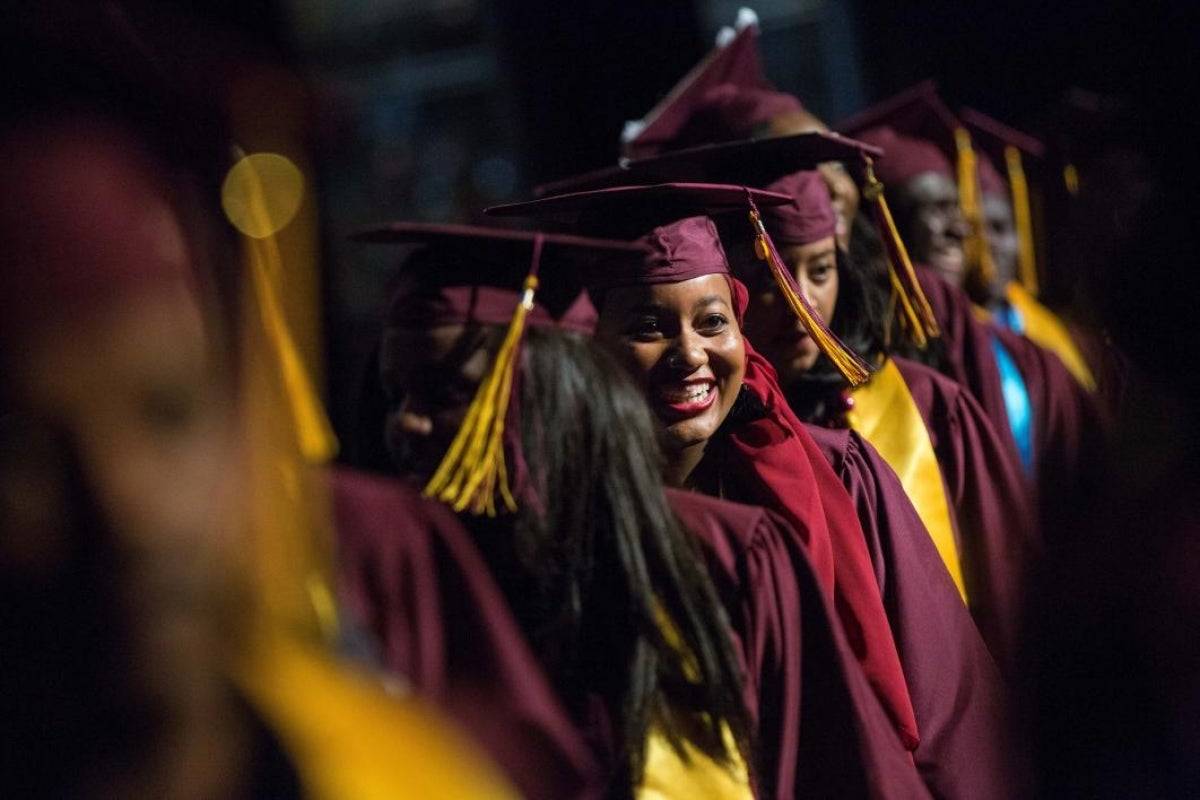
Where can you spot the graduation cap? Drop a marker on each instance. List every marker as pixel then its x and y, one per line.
pixel 785 164
pixel 1000 144
pixel 467 274
pixel 675 223
pixel 745 162
pixel 920 134
pixel 724 97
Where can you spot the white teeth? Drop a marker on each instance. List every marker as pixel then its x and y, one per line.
pixel 689 394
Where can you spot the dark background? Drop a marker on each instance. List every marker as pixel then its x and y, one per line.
pixel 434 109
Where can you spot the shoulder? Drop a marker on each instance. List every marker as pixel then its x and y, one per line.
pixel 373 509
pixel 834 443
pixel 722 525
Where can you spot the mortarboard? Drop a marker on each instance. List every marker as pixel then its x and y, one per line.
pixel 920 134
pixel 1000 144
pixel 464 274
pixel 674 221
pixel 781 164
pixel 711 97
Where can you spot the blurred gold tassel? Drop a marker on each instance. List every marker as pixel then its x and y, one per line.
pixel 288 433
pixel 473 471
pixel 975 248
pixel 1023 218
pixel 313 431
pixel 917 315
pixel 853 369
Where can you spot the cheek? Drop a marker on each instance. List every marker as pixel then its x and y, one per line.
pixel 827 297
pixel 728 358
pixel 638 358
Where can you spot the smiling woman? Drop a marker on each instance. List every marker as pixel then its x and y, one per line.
pixel 683 343
pixel 656 310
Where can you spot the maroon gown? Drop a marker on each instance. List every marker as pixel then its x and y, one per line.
pixel 989 504
pixel 1067 429
pixel 821 729
pixel 958 694
pixel 410 574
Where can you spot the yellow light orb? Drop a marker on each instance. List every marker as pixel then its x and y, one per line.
pixel 262 193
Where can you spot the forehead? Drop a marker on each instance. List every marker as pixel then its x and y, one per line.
pixel 803 252
pixel 932 187
pixel 996 206
pixel 682 296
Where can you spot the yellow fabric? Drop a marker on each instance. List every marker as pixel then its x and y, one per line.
pixel 885 414
pixel 1043 327
pixel 350 740
pixel 666 774
pixel 670 777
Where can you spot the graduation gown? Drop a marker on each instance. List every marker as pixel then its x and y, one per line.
pixel 957 692
pixel 1066 424
pixel 990 510
pixel 821 731
pixel 767 457
pixel 411 575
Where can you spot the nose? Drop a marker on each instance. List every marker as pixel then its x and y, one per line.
pixel 688 354
pixel 956 224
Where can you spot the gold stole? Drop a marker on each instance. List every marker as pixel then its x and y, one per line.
pixel 349 739
pixel 886 416
pixel 1044 328
pixel 667 776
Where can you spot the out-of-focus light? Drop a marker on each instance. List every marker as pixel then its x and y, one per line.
pixel 262 193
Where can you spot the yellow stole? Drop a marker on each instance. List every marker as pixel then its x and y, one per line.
pixel 1044 328
pixel 350 740
pixel 885 414
pixel 667 776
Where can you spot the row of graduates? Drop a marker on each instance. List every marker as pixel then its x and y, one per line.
pixel 864 460
pixel 679 501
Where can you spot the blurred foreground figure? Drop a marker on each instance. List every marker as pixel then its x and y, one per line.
pixel 159 639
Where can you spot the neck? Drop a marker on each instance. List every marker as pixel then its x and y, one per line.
pixel 681 464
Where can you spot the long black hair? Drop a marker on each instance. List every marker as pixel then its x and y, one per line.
pixel 609 588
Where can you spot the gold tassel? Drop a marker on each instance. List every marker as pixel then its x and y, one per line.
pixel 853 369
pixel 313 431
pixel 917 318
pixel 975 248
pixel 473 471
pixel 1023 218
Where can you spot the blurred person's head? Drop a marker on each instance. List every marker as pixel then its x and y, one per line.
pixel 111 345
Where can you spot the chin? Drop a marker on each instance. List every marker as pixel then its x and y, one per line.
pixel 952 270
pixel 687 433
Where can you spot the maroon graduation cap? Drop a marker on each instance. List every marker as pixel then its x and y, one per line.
pixel 675 223
pixel 466 274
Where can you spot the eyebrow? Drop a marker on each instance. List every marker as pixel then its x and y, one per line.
pixel 709 300
pixel 659 308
